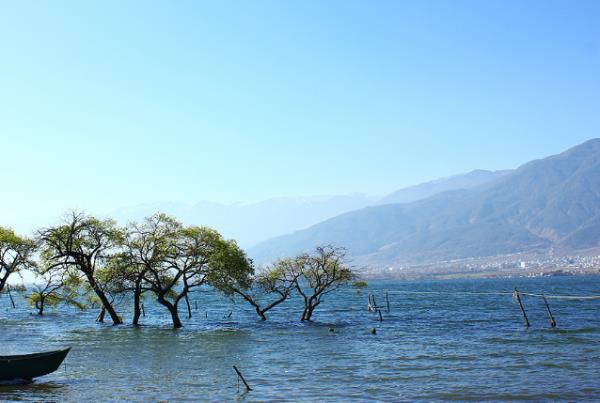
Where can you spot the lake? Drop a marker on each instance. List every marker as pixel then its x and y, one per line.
pixel 428 347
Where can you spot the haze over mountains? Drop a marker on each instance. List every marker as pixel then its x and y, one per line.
pixel 252 223
pixel 548 203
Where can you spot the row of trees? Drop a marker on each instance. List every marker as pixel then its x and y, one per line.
pixel 86 260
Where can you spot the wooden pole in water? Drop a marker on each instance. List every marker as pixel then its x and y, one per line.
pixel 370 305
pixel 12 301
pixel 380 317
pixel 143 310
pixel 374 303
pixel 518 298
pixel 240 376
pixel 387 303
pixel 552 321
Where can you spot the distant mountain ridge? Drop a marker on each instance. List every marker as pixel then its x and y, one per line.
pixel 469 180
pixel 251 223
pixel 552 202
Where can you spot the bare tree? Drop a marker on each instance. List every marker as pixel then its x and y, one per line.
pixel 319 274
pixel 278 280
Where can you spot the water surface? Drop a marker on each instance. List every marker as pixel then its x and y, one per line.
pixel 429 347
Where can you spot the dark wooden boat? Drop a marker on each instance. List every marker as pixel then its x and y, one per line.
pixel 28 366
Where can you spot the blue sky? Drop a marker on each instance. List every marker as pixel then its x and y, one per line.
pixel 106 104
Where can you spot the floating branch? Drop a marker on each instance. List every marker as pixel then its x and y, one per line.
pixel 240 376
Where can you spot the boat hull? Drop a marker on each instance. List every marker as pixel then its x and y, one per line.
pixel 28 366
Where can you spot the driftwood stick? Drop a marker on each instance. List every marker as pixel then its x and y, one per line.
pixel 552 321
pixel 518 298
pixel 240 376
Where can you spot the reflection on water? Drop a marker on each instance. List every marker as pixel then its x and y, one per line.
pixel 429 347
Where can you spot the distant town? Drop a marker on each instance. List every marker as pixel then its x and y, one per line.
pixel 512 265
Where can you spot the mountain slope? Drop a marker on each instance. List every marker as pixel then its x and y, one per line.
pixel 469 180
pixel 550 202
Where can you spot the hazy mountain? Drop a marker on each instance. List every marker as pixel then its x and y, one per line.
pixel 252 223
pixel 255 222
pixel 550 202
pixel 464 181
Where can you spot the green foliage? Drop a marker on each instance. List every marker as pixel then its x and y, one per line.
pixel 16 254
pixel 360 284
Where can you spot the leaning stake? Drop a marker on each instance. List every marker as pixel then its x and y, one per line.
pixel 240 376
pixel 518 298
pixel 552 321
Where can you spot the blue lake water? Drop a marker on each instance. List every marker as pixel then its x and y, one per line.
pixel 428 347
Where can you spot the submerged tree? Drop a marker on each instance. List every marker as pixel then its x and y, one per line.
pixel 86 244
pixel 172 260
pixel 15 254
pixel 142 263
pixel 319 274
pixel 54 286
pixel 278 281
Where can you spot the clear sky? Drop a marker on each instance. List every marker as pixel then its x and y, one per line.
pixel 105 104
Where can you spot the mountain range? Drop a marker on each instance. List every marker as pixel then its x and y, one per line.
pixel 251 223
pixel 552 203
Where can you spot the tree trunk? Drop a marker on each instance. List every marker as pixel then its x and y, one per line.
pixel 105 302
pixel 3 281
pixel 308 311
pixel 40 306
pixel 189 309
pixel 100 317
pixel 172 310
pixel 137 312
pixel 261 314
